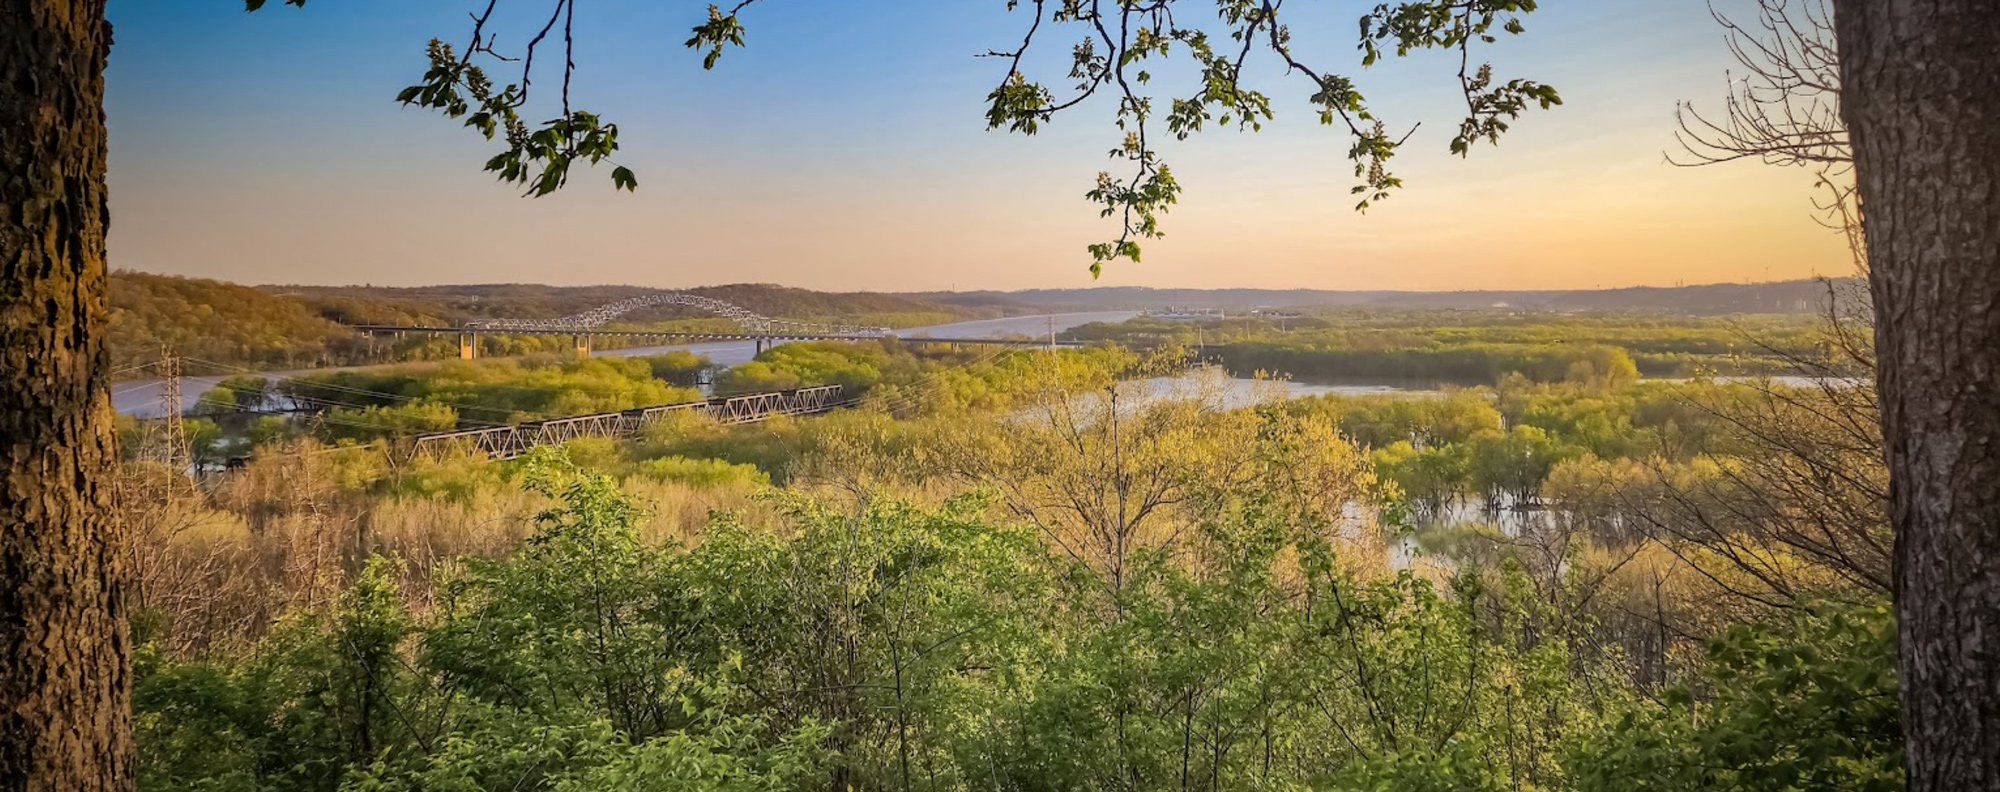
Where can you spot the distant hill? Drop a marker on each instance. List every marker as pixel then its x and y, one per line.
pixel 216 321
pixel 302 326
pixel 453 304
pixel 1799 296
pixel 219 325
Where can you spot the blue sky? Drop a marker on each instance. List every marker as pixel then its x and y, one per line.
pixel 845 149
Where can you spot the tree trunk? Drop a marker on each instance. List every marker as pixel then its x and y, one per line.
pixel 1921 97
pixel 65 653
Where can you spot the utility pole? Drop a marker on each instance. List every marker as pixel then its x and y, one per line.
pixel 1049 371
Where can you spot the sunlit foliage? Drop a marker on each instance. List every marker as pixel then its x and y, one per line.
pixel 1033 570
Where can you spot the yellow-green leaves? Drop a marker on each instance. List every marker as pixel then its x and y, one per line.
pixel 539 157
pixel 1118 39
pixel 1017 104
pixel 720 29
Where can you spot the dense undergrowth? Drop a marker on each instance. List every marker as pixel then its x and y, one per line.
pixel 1035 571
pixel 1478 347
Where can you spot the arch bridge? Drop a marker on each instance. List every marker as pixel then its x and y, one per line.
pixel 763 330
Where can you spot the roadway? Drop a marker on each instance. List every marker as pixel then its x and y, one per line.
pixel 141 398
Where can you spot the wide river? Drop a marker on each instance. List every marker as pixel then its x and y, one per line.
pixel 142 398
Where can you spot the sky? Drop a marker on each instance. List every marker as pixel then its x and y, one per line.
pixel 845 149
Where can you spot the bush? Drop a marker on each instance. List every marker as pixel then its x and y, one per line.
pixel 1808 704
pixel 705 473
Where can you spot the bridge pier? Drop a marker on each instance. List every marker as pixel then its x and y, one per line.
pixel 468 346
pixel 762 344
pixel 582 345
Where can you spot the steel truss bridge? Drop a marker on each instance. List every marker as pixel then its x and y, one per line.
pixel 761 330
pixel 508 442
pixel 753 324
pixel 583 327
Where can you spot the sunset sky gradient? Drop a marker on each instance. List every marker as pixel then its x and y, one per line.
pixel 845 149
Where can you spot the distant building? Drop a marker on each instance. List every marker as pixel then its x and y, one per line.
pixel 1173 314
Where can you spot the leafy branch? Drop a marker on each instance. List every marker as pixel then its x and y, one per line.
pixel 538 156
pixel 1120 46
pixel 1124 43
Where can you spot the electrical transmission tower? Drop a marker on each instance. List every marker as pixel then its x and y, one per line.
pixel 178 458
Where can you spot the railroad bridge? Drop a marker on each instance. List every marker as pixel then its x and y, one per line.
pixel 508 442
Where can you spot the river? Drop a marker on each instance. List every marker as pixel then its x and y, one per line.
pixel 142 398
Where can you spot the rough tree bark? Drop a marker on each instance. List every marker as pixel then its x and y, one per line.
pixel 1921 95
pixel 65 679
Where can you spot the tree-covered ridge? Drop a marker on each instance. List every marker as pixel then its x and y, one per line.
pixel 226 325
pixel 223 322
pixel 377 305
pixel 1782 297
pixel 220 327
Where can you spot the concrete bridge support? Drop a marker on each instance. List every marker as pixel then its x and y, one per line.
pixel 582 345
pixel 468 346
